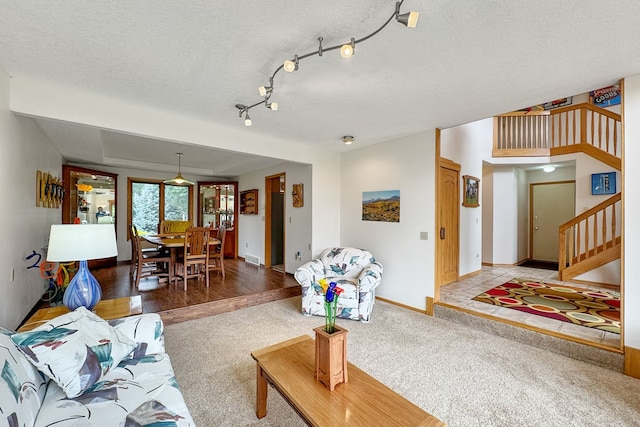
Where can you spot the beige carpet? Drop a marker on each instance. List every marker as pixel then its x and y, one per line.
pixel 463 376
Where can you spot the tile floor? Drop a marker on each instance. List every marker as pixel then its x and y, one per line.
pixel 460 294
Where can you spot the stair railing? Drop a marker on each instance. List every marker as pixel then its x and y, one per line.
pixel 576 128
pixel 594 232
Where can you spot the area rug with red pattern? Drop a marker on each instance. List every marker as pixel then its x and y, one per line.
pixel 593 309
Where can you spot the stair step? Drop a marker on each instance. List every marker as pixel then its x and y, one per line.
pixel 596 356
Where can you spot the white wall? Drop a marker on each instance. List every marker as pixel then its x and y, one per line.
pixel 406 164
pixel 631 207
pixel 24 227
pixel 298 224
pixel 505 215
pixel 486 204
pixel 522 216
pixel 466 145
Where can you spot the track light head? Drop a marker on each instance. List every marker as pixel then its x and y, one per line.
pixel 247 119
pixel 349 49
pixel 409 19
pixel 272 106
pixel 264 90
pixel 291 66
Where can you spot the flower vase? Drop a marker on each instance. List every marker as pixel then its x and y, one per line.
pixel 331 356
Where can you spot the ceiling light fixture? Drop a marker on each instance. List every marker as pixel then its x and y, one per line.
pixel 348 50
pixel 409 19
pixel 549 168
pixel 348 139
pixel 178 180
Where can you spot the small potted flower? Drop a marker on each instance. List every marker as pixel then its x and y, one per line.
pixel 331 295
pixel 331 341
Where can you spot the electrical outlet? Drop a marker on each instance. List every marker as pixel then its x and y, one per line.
pixel 246 245
pixel 424 235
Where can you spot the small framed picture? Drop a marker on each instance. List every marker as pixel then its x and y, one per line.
pixel 603 183
pixel 471 191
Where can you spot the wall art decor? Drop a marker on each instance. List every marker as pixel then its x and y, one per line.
pixel 297 196
pixel 381 206
pixel 605 97
pixel 49 190
pixel 603 183
pixel 471 195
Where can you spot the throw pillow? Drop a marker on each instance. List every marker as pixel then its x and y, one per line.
pixel 75 350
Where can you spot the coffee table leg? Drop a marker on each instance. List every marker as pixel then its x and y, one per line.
pixel 261 392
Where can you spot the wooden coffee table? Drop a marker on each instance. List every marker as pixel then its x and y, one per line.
pixel 107 309
pixel 289 367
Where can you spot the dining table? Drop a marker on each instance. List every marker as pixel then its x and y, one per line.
pixel 173 242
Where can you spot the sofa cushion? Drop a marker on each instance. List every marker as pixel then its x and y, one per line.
pixel 75 350
pixel 147 330
pixel 139 392
pixel 345 262
pixel 22 387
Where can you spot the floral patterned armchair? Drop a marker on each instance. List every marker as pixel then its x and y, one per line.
pixel 354 270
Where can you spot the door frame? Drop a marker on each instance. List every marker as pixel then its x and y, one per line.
pixel 269 183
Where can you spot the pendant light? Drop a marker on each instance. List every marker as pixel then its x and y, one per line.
pixel 178 180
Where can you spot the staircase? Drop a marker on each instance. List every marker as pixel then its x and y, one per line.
pixel 592 238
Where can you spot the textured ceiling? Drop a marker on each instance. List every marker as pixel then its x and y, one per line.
pixel 466 60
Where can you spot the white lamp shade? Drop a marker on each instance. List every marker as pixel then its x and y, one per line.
pixel 80 242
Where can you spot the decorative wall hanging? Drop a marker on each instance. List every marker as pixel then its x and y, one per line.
pixel 297 196
pixel 605 97
pixel 381 206
pixel 603 183
pixel 470 198
pixel 49 190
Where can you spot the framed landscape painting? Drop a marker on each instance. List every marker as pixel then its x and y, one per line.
pixel 471 191
pixel 381 206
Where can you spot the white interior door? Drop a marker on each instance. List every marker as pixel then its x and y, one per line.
pixel 553 204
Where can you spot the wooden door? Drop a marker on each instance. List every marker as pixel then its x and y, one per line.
pixel 552 204
pixel 274 221
pixel 447 225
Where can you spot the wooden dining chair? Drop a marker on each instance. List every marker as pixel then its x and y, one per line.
pixel 147 263
pixel 194 259
pixel 173 226
pixel 216 257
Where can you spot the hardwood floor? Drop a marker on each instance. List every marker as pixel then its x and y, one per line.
pixel 244 285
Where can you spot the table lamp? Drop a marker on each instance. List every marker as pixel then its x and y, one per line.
pixel 81 242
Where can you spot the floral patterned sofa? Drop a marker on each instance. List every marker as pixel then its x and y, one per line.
pixel 79 370
pixel 354 270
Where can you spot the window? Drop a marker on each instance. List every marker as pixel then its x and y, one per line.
pixel 152 201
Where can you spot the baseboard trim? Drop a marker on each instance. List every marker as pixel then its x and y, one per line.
pixel 408 307
pixel 632 362
pixel 468 275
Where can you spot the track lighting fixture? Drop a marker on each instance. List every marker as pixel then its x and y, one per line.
pixel 409 19
pixel 348 49
pixel 291 66
pixel 264 90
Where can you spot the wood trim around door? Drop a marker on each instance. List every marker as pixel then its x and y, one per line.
pixel 271 182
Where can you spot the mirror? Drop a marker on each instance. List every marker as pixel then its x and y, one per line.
pixel 89 198
pixel 218 204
